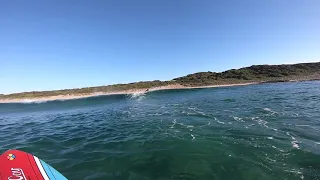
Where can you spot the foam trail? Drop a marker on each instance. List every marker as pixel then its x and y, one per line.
pixel 192 136
pixel 30 101
pixel 174 123
pixel 294 142
pixel 270 110
pixel 137 95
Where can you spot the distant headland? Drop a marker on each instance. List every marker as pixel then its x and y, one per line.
pixel 255 74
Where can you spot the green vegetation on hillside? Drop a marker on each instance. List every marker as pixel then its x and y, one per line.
pixel 256 73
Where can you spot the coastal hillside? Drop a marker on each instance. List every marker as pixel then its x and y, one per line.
pixel 255 73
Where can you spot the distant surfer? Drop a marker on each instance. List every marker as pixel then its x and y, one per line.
pixel 146 91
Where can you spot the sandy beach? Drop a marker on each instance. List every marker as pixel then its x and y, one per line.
pixel 131 91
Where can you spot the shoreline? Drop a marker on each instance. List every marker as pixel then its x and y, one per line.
pixel 126 92
pixel 255 74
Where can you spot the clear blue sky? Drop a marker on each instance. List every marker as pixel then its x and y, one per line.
pixel 59 44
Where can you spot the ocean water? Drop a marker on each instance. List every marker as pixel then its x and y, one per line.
pixel 265 132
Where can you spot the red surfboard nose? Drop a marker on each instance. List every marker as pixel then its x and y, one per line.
pixel 18 165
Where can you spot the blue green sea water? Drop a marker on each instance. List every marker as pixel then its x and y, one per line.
pixel 256 132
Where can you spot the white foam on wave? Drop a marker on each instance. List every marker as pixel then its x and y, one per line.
pixel 271 160
pixel 267 109
pixel 294 142
pixel 239 119
pixel 192 136
pixel 154 114
pixel 296 172
pixel 138 95
pixel 187 126
pixel 270 110
pixel 189 113
pixel 174 123
pixel 194 111
pixel 295 114
pixel 277 148
pixel 202 113
pixel 260 121
pixel 302 125
pixel 30 101
pixel 263 122
pixel 220 122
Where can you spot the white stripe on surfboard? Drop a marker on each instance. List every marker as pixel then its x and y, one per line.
pixel 43 172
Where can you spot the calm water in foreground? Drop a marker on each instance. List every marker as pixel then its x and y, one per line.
pixel 269 131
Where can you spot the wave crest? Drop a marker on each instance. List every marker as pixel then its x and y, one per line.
pixel 30 101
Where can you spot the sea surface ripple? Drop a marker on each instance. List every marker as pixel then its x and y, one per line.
pixel 269 131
